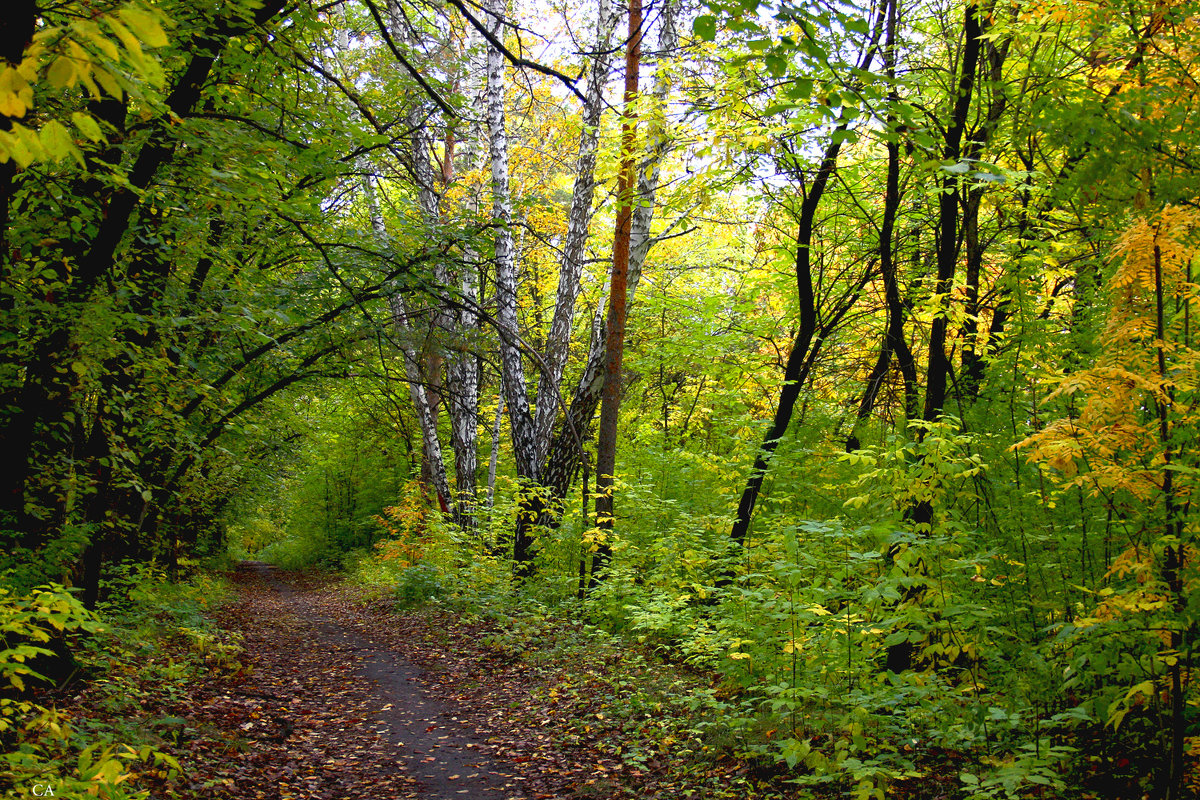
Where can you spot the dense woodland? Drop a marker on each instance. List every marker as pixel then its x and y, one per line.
pixel 842 352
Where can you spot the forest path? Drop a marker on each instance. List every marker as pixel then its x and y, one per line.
pixel 334 711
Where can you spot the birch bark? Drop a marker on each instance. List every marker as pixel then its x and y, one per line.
pixel 427 422
pixel 565 453
pixel 511 360
pixel 558 340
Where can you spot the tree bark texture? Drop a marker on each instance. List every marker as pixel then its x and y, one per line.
pixel 511 361
pixel 610 405
pixel 558 340
pixel 44 401
pixel 938 370
pixel 565 452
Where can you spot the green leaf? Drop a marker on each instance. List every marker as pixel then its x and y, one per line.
pixel 88 126
pixel 800 89
pixel 144 26
pixel 61 73
pixel 705 26
pixel 779 108
pixel 56 140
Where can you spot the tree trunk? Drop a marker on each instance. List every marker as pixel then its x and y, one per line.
pixel 433 467
pixel 938 369
pixel 894 341
pixel 579 217
pixel 807 344
pixel 566 448
pixel 44 401
pixel 512 376
pixel 920 515
pixel 606 440
pixel 973 349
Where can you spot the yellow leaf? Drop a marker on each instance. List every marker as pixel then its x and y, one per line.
pixel 144 25
pixel 62 73
pixel 88 126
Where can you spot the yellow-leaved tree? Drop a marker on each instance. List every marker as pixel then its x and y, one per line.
pixel 1132 442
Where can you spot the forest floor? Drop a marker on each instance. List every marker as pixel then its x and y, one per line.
pixel 343 699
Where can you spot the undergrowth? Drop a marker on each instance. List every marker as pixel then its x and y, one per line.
pixel 90 701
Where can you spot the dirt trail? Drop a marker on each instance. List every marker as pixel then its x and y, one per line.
pixel 333 712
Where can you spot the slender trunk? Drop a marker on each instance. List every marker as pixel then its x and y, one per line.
pixel 494 458
pixel 512 362
pixel 938 370
pixel 463 373
pixel 512 366
pixel 807 344
pixel 973 350
pixel 463 367
pixel 554 358
pixel 432 465
pixel 894 341
pixel 610 406
pixel 1173 560
pixel 565 451
pixel 920 515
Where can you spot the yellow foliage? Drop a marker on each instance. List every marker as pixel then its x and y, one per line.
pixel 84 52
pixel 404 525
pixel 1113 443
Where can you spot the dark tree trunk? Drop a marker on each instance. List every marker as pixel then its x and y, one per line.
pixel 807 344
pixel 973 364
pixel 804 347
pixel 894 341
pixel 43 403
pixel 938 370
pixel 920 515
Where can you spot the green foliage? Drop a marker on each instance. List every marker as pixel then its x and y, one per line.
pixel 27 622
pixel 417 585
pixel 117 653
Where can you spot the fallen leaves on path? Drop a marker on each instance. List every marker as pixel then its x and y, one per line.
pixel 343 699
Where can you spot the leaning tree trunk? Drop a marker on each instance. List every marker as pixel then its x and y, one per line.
pixel 558 340
pixel 431 447
pixel 920 515
pixel 895 344
pixel 807 343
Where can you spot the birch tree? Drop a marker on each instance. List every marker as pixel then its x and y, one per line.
pixel 565 453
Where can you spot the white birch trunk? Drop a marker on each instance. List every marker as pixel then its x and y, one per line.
pixel 463 378
pixel 494 458
pixel 564 456
pixel 462 369
pixel 579 217
pixel 426 420
pixel 511 361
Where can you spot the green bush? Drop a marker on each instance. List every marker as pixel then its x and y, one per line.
pixel 417 585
